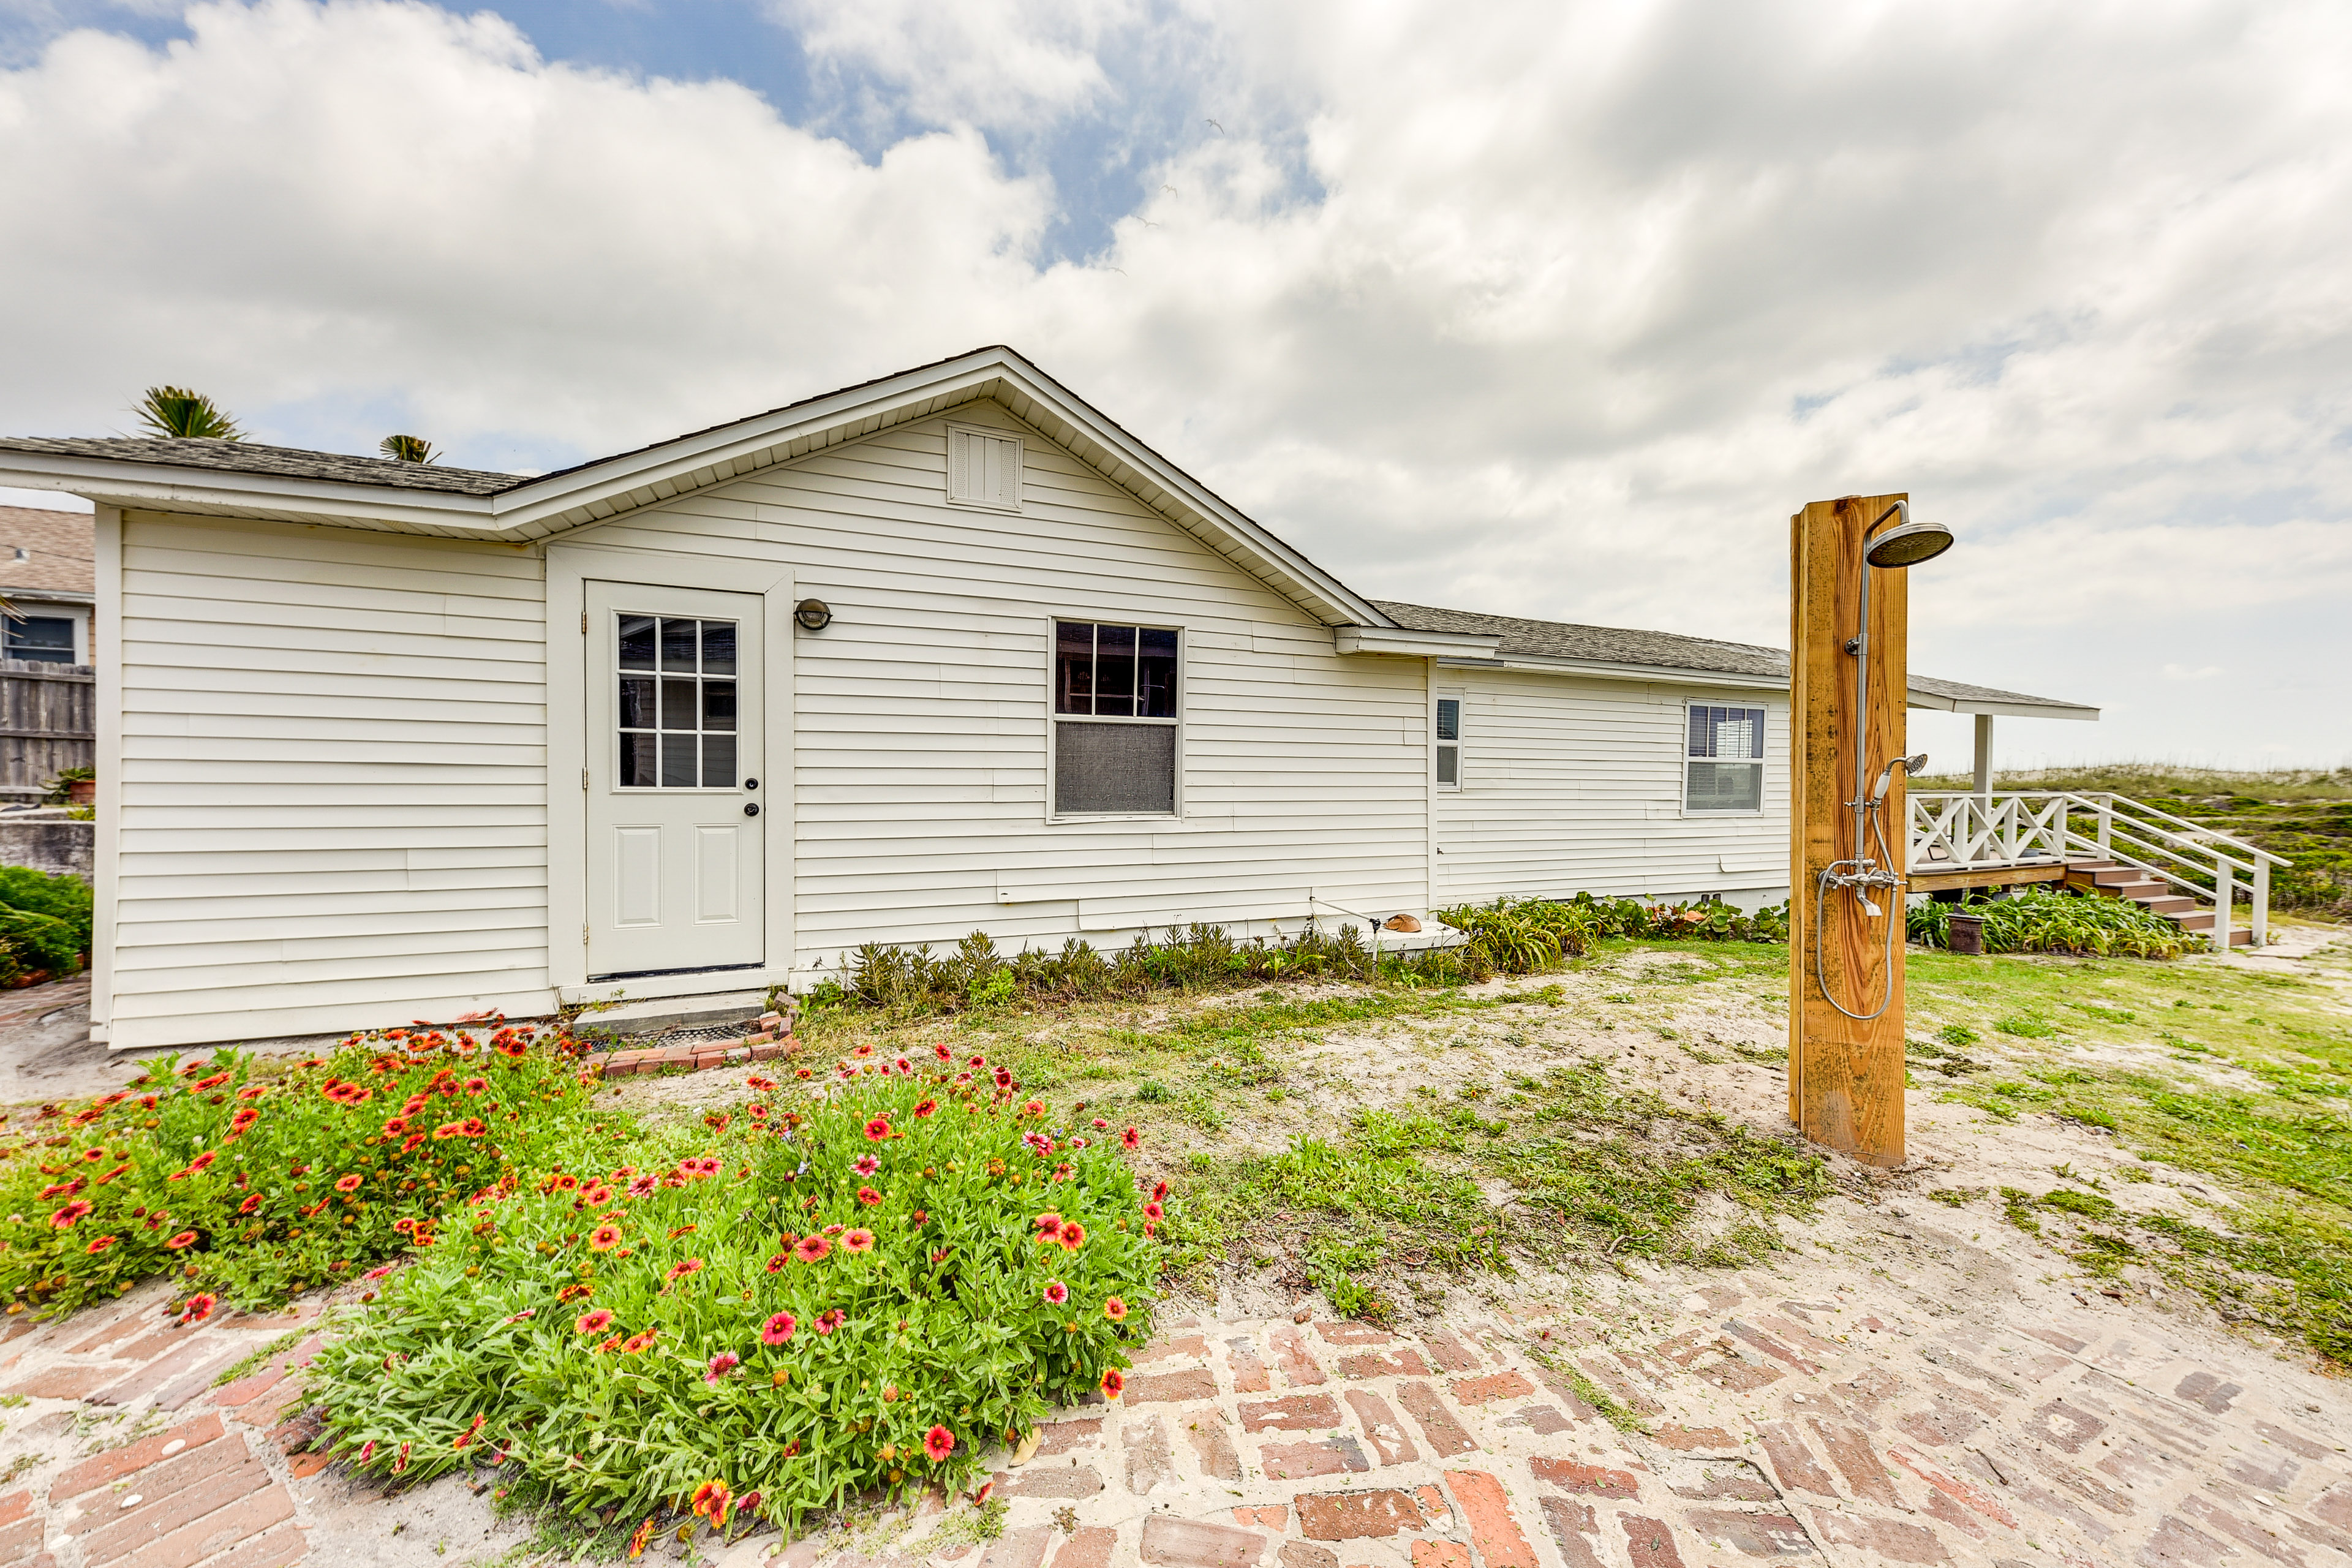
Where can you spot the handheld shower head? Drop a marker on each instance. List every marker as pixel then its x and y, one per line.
pixel 1911 765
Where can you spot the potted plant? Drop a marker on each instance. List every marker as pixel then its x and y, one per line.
pixel 72 786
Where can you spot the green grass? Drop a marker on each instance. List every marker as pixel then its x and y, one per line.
pixel 2275 1130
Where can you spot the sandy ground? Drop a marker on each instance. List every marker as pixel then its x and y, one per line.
pixel 1909 1383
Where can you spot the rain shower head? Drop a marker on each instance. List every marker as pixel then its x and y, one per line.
pixel 1907 542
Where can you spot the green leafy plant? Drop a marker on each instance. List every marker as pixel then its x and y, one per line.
pixel 408 449
pixel 2039 919
pixel 181 414
pixel 805 1300
pixel 255 1187
pixel 45 921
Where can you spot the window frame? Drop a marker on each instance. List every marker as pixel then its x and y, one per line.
pixel 1461 708
pixel 1762 760
pixel 28 614
pixel 1054 622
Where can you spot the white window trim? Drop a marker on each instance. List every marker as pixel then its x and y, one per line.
pixel 1684 759
pixel 1461 748
pixel 1184 694
pixel 1020 466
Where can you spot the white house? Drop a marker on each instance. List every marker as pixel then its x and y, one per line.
pixel 382 742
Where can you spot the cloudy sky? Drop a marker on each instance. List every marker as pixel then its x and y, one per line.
pixel 1553 310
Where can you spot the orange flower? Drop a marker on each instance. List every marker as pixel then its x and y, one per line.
pixel 603 1238
pixel 644 1533
pixel 857 1241
pixel 680 1269
pixel 808 1249
pixel 100 1244
pixel 1115 1309
pixel 347 1183
pixel 71 1214
pixel 1114 1383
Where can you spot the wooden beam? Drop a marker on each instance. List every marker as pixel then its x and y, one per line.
pixel 1845 1075
pixel 1987 876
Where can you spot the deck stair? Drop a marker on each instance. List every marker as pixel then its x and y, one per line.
pixel 2099 843
pixel 2158 897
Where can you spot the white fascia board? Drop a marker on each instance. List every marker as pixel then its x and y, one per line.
pixel 1929 700
pixel 1455 645
pixel 1537 664
pixel 155 487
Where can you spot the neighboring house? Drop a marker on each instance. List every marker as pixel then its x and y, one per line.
pixel 47 576
pixel 945 650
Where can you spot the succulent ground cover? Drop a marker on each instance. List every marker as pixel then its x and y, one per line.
pixel 806 1300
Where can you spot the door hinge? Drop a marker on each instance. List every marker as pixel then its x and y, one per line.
pixel 583 623
pixel 583 778
pixel 583 933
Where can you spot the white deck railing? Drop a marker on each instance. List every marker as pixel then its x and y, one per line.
pixel 1953 830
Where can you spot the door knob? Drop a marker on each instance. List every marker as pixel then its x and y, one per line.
pixel 752 809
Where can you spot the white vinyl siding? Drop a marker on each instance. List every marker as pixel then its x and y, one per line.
pixel 333 781
pixel 923 713
pixel 1579 788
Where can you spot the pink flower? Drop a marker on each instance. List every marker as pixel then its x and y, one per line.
pixel 721 1364
pixel 939 1442
pixel 828 1321
pixel 778 1329
pixel 1057 1292
pixel 868 1165
pixel 857 1241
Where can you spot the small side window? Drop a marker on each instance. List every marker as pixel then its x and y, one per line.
pixel 1449 742
pixel 1723 764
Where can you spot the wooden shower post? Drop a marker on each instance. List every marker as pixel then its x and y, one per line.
pixel 1845 1076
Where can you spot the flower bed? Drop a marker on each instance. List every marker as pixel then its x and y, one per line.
pixel 253 1187
pixel 811 1298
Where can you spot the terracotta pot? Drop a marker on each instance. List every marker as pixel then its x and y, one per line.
pixel 82 792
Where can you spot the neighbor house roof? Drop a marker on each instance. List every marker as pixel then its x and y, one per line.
pixel 58 553
pixel 1563 645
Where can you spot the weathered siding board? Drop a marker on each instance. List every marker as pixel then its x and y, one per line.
pixel 334 800
pixel 1574 784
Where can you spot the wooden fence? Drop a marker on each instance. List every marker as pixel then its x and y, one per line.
pixel 47 723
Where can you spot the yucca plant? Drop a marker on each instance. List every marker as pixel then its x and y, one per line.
pixel 408 449
pixel 183 415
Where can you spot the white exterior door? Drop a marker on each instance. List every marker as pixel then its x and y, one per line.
pixel 675 829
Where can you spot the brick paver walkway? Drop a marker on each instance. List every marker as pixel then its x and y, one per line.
pixel 1870 1424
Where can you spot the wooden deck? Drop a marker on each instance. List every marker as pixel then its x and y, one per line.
pixel 1931 879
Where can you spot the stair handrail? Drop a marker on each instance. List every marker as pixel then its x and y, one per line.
pixel 2021 832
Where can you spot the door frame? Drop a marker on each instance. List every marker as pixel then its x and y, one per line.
pixel 570 569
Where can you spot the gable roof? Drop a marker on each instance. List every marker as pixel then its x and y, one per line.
pixel 1563 646
pixel 244 479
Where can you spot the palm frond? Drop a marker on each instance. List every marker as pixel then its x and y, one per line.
pixel 183 415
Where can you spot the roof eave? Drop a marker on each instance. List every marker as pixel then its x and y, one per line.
pixel 1548 664
pixel 213 492
pixel 1940 703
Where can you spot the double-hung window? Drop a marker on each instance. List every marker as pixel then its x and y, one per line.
pixel 1723 765
pixel 1114 720
pixel 1448 744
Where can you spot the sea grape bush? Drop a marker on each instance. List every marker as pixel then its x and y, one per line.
pixel 252 1184
pixel 815 1295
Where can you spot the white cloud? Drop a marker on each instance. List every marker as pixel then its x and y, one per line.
pixel 1558 310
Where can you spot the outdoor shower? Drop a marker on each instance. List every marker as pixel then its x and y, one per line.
pixel 1905 544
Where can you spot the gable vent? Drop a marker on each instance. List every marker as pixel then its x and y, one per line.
pixel 983 469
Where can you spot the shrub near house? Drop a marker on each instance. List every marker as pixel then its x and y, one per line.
pixel 804 1299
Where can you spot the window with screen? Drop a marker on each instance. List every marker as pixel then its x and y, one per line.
pixel 44 639
pixel 676 708
pixel 1723 766
pixel 1449 742
pixel 1114 720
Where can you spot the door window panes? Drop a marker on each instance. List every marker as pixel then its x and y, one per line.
pixel 677 702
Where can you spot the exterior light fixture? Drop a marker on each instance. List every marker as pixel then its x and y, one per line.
pixel 814 614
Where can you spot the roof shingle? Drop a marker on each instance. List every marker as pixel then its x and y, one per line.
pixel 252 458
pixel 1656 650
